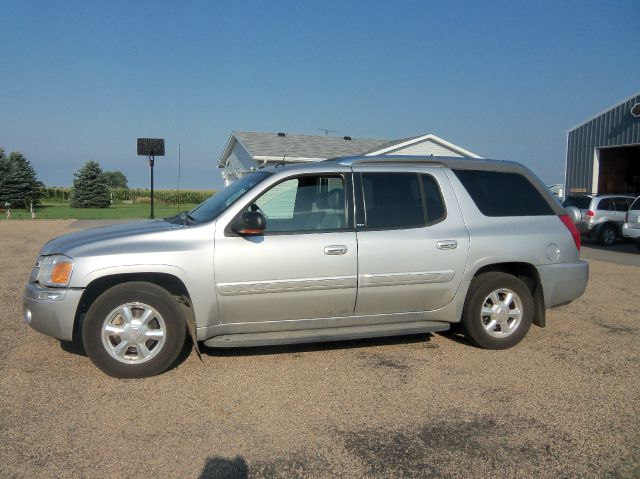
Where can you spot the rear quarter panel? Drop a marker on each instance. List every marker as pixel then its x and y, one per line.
pixel 537 240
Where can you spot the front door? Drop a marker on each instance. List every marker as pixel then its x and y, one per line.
pixel 412 242
pixel 305 264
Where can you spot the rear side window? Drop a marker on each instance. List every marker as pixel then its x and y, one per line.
pixel 635 206
pixel 498 193
pixel 401 200
pixel 606 204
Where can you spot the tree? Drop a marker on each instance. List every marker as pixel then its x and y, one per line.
pixel 19 184
pixel 90 189
pixel 116 179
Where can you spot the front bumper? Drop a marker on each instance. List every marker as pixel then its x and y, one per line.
pixel 51 311
pixel 633 233
pixel 563 282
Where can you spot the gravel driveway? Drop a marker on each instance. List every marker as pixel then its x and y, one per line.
pixel 564 403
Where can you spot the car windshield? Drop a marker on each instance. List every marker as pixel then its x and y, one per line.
pixel 219 202
pixel 580 202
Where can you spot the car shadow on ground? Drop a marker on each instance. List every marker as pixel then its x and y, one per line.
pixel 317 347
pixel 223 468
pixel 75 347
pixel 618 247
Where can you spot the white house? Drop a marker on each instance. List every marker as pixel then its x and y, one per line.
pixel 247 151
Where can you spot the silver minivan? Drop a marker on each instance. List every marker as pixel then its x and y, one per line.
pixel 348 248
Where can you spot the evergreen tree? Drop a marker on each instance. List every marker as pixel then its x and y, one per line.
pixel 19 184
pixel 90 189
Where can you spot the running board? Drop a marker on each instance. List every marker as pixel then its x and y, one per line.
pixel 344 333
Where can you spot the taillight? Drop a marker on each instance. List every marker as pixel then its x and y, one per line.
pixel 626 217
pixel 590 214
pixel 566 219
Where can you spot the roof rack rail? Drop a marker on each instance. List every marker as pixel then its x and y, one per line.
pixel 371 160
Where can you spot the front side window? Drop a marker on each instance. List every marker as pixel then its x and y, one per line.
pixel 621 204
pixel 219 202
pixel 303 204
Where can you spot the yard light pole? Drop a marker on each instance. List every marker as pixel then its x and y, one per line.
pixel 151 147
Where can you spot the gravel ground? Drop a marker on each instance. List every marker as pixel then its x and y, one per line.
pixel 564 403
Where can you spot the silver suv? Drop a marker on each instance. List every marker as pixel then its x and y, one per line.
pixel 602 215
pixel 348 248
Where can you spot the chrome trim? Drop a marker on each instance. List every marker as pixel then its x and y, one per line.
pixel 447 244
pixel 395 279
pixel 287 285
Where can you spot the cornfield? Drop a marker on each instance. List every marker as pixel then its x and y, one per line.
pixel 169 197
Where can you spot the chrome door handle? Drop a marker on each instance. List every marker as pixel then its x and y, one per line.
pixel 447 244
pixel 335 249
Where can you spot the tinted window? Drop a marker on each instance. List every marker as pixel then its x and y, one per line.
pixel 580 202
pixel 606 204
pixel 620 204
pixel 433 201
pixel 306 203
pixel 635 206
pixel 503 194
pixel 392 200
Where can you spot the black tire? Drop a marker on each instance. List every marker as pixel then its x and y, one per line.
pixel 473 321
pixel 145 293
pixel 607 235
pixel 637 243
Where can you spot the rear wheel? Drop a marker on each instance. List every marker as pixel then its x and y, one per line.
pixel 498 311
pixel 637 243
pixel 607 235
pixel 134 330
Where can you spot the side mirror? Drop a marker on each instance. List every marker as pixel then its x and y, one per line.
pixel 249 223
pixel 574 214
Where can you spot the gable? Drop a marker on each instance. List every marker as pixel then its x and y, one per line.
pixel 423 145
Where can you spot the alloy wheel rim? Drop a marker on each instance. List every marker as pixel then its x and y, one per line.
pixel 133 333
pixel 609 236
pixel 501 313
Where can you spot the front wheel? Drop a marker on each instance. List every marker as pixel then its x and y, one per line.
pixel 134 330
pixel 498 311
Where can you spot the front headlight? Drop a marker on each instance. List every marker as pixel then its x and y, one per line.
pixel 55 270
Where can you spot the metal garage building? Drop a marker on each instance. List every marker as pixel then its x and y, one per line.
pixel 603 152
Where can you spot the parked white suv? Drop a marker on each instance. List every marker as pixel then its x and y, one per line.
pixel 631 227
pixel 349 248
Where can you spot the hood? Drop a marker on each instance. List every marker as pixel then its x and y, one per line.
pixel 78 240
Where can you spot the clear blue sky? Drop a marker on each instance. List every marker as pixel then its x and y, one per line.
pixel 81 80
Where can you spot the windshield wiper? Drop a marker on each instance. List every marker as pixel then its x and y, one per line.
pixel 183 218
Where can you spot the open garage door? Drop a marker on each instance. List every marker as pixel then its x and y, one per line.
pixel 619 170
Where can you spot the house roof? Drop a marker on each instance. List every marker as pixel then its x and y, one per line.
pixel 309 147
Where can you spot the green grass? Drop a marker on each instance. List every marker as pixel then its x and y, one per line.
pixel 53 211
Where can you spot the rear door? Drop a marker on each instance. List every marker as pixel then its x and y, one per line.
pixel 412 242
pixel 621 205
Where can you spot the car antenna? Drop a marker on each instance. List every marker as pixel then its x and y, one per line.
pixel 283 163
